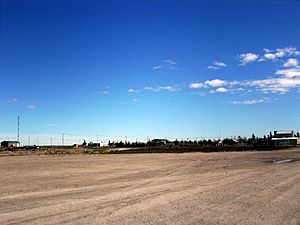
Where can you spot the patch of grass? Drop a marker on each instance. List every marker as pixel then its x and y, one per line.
pixel 92 151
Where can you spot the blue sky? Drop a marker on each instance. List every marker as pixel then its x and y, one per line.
pixel 176 69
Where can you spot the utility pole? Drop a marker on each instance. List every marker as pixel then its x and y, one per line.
pixel 97 138
pixel 28 140
pixel 62 139
pixel 18 128
pixel 51 141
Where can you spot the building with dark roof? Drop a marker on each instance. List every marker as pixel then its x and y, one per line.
pixel 10 144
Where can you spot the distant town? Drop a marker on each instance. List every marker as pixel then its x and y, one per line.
pixel 273 139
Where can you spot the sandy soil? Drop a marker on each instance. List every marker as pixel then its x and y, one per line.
pixel 191 188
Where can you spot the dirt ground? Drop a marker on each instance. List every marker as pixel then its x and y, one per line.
pixel 191 188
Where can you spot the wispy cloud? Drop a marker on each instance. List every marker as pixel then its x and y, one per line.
pixel 13 101
pixel 132 91
pixel 104 90
pixel 168 64
pixel 162 88
pixel 248 102
pixel 31 107
pixel 216 65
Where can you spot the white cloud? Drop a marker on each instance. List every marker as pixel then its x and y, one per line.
pixel 248 58
pixel 289 73
pixel 288 51
pixel 197 85
pixel 248 102
pixel 291 63
pixel 216 65
pixel 31 107
pixel 280 53
pixel 168 64
pixel 216 82
pixel 270 56
pixel 221 90
pixel 234 83
pixel 213 67
pixel 132 91
pixel 220 64
pixel 261 59
pixel 284 79
pixel 274 85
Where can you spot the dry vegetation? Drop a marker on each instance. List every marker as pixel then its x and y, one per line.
pixel 188 188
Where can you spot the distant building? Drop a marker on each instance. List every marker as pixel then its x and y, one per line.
pixel 227 142
pixel 286 137
pixel 10 144
pixel 94 145
pixel 159 142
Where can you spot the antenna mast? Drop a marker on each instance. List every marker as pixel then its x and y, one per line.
pixel 18 127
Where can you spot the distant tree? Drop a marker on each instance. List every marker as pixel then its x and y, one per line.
pixel 270 135
pixel 298 135
pixel 265 137
pixel 84 143
pixel 176 142
pixel 253 136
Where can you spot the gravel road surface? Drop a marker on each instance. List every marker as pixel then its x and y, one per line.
pixel 190 188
